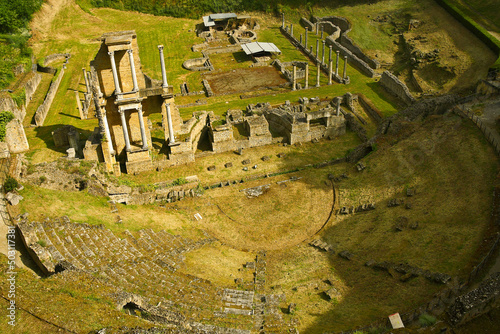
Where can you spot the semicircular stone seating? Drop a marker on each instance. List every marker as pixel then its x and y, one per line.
pixel 145 265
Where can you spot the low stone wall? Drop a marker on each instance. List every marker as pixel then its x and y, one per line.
pixel 395 86
pixel 207 88
pixel 221 49
pixel 55 57
pixel 43 109
pixel 197 64
pixel 476 302
pixel 330 29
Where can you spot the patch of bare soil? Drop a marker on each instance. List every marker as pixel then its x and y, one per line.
pixel 245 79
pixel 42 20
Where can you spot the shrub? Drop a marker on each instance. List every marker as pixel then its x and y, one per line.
pixel 10 184
pixel 42 243
pixel 426 320
pixel 5 117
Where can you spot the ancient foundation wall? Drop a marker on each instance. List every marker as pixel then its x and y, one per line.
pixel 338 21
pixel 396 87
pixel 43 109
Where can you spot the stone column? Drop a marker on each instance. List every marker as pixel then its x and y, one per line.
pixel 322 30
pixel 163 72
pixel 282 20
pixel 106 130
pixel 294 80
pixel 300 42
pixel 86 80
pixel 345 67
pixel 317 26
pixel 125 130
pixel 89 79
pixel 291 29
pixel 323 52
pixel 338 106
pixel 305 45
pixel 307 77
pixel 115 73
pixel 143 129
pixel 330 68
pixel 318 74
pixel 329 53
pixel 132 69
pixel 170 125
pixel 317 48
pixel 337 64
pixel 311 50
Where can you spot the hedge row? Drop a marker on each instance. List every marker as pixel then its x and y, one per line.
pixel 476 29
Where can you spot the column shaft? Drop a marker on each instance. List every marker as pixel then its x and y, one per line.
pixel 329 53
pixel 345 67
pixel 163 71
pixel 282 20
pixel 115 73
pixel 338 106
pixel 300 42
pixel 125 130
pixel 317 48
pixel 318 74
pixel 143 129
pixel 330 68
pixel 86 80
pixel 294 82
pixel 337 64
pixel 170 125
pixel 106 131
pixel 307 77
pixel 305 37
pixel 323 52
pixel 132 69
pixel 291 29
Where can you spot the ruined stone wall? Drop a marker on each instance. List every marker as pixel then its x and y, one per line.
pixel 332 30
pixel 15 137
pixel 8 104
pixel 370 108
pixel 31 86
pixel 43 109
pixel 221 49
pixel 349 44
pixel 338 21
pixel 55 57
pixel 307 24
pixel 396 87
pixel 351 57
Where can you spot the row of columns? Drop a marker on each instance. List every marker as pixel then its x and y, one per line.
pixel 115 71
pixel 125 129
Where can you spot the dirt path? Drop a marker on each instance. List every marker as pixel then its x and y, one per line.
pixel 42 20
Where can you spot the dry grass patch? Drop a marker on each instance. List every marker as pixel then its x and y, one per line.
pixel 284 215
pixel 219 263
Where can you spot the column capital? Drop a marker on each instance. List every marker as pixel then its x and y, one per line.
pixel 345 57
pixel 130 51
pixel 160 47
pixel 306 28
pixel 324 42
pixel 337 51
pixel 111 53
pixel 167 104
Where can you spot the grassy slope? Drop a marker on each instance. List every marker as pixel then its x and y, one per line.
pixel 485 12
pixel 449 163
